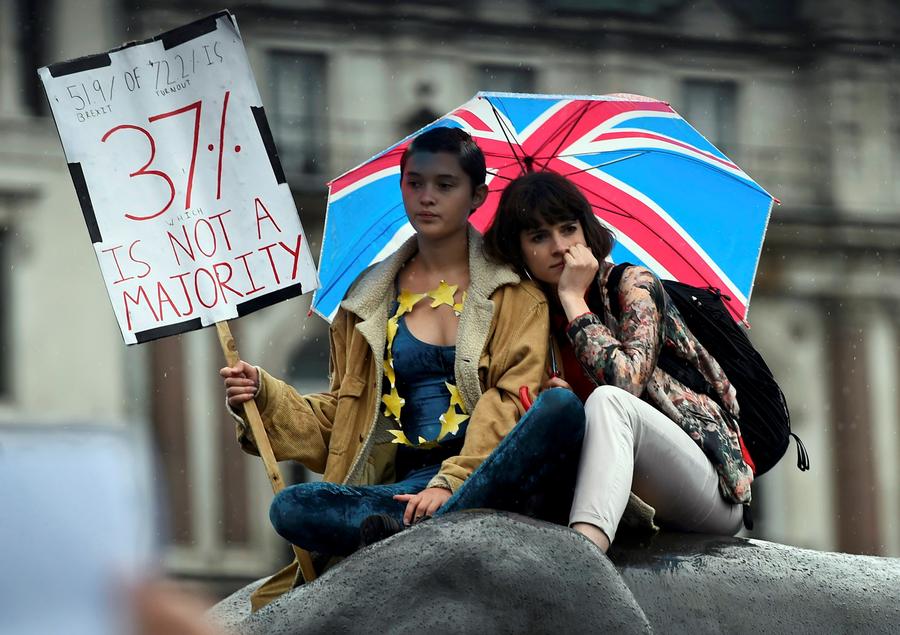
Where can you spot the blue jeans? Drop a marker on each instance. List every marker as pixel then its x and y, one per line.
pixel 531 471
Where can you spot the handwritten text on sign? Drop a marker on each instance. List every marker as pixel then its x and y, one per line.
pixel 177 176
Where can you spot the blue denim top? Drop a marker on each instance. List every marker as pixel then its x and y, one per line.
pixel 421 370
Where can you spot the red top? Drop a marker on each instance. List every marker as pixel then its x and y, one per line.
pixel 572 371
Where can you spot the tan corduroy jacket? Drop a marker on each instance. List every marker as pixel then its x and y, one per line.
pixel 501 346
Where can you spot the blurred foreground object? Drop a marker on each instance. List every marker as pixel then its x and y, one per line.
pixel 78 526
pixel 163 609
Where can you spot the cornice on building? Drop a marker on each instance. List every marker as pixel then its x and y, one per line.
pixel 646 26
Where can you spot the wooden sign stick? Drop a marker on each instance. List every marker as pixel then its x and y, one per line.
pixel 229 348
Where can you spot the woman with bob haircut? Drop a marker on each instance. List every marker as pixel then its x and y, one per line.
pixel 645 431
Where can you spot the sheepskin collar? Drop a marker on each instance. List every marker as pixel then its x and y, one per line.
pixel 366 297
pixel 371 296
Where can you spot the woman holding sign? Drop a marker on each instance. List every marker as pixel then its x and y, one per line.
pixel 429 351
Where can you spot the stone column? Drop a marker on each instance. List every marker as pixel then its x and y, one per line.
pixel 856 492
pixel 169 419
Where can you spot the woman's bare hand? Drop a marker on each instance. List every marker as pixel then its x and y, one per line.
pixel 241 383
pixel 579 273
pixel 424 504
pixel 555 382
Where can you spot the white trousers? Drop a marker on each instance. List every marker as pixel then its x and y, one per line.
pixel 630 446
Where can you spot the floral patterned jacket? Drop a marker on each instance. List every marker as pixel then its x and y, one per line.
pixel 624 354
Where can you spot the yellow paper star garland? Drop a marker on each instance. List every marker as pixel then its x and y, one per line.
pixel 400 437
pixel 389 370
pixel 455 399
pixel 443 295
pixel 457 308
pixel 450 421
pixel 392 327
pixel 393 402
pixel 407 301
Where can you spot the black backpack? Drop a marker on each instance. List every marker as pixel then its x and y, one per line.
pixel 764 418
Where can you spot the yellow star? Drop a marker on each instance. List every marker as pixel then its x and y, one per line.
pixel 394 403
pixel 407 300
pixel 457 308
pixel 443 294
pixel 455 398
pixel 450 421
pixel 400 438
pixel 389 370
pixel 391 331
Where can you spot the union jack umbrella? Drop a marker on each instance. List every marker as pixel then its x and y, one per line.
pixel 675 203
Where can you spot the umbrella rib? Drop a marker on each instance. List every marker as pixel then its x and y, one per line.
pixel 505 112
pixel 753 185
pixel 602 165
pixel 512 146
pixel 501 156
pixel 573 120
pixel 627 214
pixel 503 167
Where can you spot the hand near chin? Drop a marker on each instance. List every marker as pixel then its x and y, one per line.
pixel 578 274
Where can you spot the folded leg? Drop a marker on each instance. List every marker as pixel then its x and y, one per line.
pixel 325 517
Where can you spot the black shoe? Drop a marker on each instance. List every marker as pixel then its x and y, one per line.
pixel 378 527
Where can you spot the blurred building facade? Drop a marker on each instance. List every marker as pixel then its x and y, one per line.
pixel 801 94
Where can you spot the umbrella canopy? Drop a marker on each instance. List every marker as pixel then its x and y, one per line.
pixel 675 203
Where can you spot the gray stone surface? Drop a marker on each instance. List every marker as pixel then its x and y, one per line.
pixel 485 571
pixel 469 572
pixel 234 609
pixel 689 583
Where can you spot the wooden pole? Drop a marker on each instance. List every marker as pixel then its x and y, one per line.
pixel 229 348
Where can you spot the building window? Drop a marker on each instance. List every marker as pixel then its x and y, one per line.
pixel 709 106
pixel 506 79
pixel 32 19
pixel 588 6
pixel 298 111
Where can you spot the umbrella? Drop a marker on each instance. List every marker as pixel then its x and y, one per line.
pixel 675 203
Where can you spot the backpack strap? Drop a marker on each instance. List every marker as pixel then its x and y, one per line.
pixel 612 288
pixel 675 366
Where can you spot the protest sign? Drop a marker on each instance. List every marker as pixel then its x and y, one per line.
pixel 184 197
pixel 179 180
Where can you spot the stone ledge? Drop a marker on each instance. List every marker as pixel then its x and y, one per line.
pixel 484 571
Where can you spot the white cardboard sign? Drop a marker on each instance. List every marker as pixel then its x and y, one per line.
pixel 179 181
